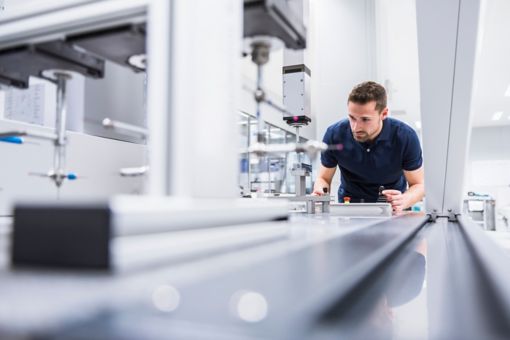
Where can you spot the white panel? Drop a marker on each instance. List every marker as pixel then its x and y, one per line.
pixel 437 35
pixel 294 93
pixel 118 96
pixel 205 83
pixel 461 114
pixel 447 43
pixel 97 160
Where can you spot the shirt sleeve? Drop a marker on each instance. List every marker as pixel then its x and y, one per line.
pixel 412 153
pixel 328 159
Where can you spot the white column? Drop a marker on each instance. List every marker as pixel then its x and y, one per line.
pixel 199 132
pixel 159 46
pixel 447 40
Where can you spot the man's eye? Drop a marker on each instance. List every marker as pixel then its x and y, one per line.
pixel 366 119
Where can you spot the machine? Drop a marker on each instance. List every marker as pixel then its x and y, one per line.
pixel 189 260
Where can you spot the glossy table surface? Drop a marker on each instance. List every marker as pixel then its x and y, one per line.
pixel 312 277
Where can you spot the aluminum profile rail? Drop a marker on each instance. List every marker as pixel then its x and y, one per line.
pixel 469 295
pixel 48 25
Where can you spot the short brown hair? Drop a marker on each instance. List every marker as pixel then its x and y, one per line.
pixel 369 91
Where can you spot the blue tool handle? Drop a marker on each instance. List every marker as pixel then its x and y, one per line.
pixel 13 140
pixel 71 176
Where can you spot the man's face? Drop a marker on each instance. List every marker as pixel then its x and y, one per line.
pixel 366 121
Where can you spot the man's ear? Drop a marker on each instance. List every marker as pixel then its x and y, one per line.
pixel 384 113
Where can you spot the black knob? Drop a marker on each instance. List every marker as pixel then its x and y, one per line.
pixel 381 198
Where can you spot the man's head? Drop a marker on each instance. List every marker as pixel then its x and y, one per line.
pixel 367 109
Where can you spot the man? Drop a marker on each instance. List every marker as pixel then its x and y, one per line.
pixel 372 150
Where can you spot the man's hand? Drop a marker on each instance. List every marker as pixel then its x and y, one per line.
pixel 323 181
pixel 320 191
pixel 398 200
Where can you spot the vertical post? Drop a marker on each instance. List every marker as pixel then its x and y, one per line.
pixel 60 128
pixel 268 158
pixel 259 96
pixel 159 95
pixel 194 50
pixel 203 136
pixel 446 83
pixel 249 155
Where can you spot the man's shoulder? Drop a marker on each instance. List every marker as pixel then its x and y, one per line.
pixel 339 126
pixel 402 129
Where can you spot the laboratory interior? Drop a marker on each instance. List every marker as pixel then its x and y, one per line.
pixel 163 163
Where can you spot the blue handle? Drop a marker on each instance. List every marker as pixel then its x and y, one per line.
pixel 13 140
pixel 71 176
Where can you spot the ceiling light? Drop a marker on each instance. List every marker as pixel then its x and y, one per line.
pixel 497 115
pixel 507 92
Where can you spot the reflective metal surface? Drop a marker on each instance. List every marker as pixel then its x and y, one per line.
pixel 332 278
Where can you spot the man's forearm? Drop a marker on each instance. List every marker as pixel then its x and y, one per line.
pixel 414 194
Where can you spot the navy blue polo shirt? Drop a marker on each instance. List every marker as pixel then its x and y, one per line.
pixel 366 166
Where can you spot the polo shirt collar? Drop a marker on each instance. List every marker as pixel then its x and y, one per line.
pixel 385 132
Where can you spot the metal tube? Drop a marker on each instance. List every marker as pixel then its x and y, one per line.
pixel 268 162
pixel 299 155
pixel 125 127
pixel 61 108
pixel 60 127
pixel 258 96
pixel 249 156
pixel 29 133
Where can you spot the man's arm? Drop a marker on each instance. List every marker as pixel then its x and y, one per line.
pixel 323 180
pixel 416 190
pixel 400 201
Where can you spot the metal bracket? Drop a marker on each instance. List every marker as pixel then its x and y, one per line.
pixel 433 217
pixel 452 216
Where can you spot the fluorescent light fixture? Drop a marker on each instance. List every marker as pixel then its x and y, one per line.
pixel 497 115
pixel 507 92
pixel 418 124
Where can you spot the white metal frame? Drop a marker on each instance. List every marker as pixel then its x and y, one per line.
pixel 48 25
pixel 447 39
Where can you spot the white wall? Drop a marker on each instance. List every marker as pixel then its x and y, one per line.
pixel 490 143
pixel 343 55
pixel 488 168
pixel 397 57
